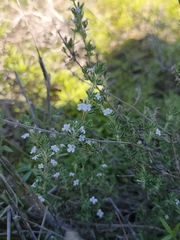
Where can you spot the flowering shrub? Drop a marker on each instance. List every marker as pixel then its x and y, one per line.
pixel 81 173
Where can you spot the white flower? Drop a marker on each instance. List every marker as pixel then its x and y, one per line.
pixel 99 175
pixel 91 69
pixel 166 217
pixel 71 148
pixel 76 182
pixel 177 201
pixel 66 127
pixel 33 185
pixel 52 154
pixel 53 162
pixel 158 132
pixel 41 198
pixel 104 165
pixel 71 174
pixel 98 96
pixel 78 9
pixel 100 213
pixel 82 129
pixel 35 157
pixel 139 142
pixel 71 130
pixel 107 111
pixel 25 135
pixel 56 175
pixel 93 200
pixel 84 107
pixel 54 148
pixel 62 145
pixel 33 150
pixel 40 166
pixel 81 138
pixel 88 142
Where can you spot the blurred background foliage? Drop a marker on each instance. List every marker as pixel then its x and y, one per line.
pixel 114 26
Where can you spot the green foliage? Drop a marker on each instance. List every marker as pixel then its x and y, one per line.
pixel 110 20
pixel 172 233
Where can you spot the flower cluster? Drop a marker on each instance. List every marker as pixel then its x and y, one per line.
pixel 84 107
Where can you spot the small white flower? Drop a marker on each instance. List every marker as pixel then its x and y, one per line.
pixel 88 107
pixel 53 162
pixel 81 138
pixel 40 166
pixel 82 129
pixel 158 132
pixel 33 185
pixel 78 9
pixel 99 175
pixel 100 213
pixel 139 142
pixel 91 69
pixel 177 201
pixel 166 217
pixel 71 130
pixel 54 148
pixel 66 127
pixel 98 96
pixel 104 165
pixel 93 200
pixel 41 198
pixel 35 157
pixel 76 182
pixel 88 142
pixel 71 174
pixel 62 145
pixel 56 175
pixel 84 107
pixel 33 150
pixel 107 111
pixel 26 135
pixel 71 148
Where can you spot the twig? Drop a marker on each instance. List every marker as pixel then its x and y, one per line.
pixel 27 99
pixel 24 192
pixel 9 224
pixel 45 229
pixel 109 200
pixel 47 83
pixel 4 211
pixel 18 227
pixel 126 238
pixel 43 221
pixel 53 131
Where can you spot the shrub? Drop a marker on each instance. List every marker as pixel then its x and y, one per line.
pixel 113 170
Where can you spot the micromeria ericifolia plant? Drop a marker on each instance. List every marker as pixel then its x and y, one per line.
pixel 82 167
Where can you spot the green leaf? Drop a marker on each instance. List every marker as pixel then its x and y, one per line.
pixel 166 226
pixel 27 175
pixel 176 229
pixel 168 237
pixel 23 169
pixel 6 148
